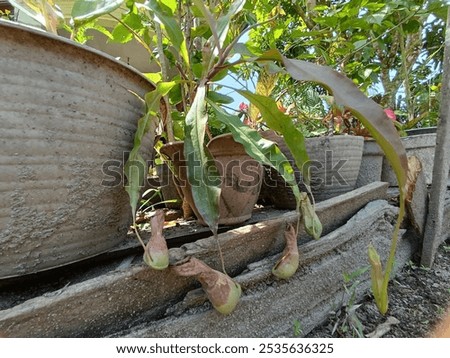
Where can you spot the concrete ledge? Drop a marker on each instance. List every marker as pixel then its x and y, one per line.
pixel 113 301
pixel 268 307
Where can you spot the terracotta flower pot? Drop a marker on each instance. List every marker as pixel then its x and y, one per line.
pixel 68 117
pixel 241 178
pixel 334 168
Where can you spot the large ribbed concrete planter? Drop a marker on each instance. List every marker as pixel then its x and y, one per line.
pixel 68 115
pixel 334 168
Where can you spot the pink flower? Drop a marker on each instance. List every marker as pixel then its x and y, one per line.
pixel 390 113
pixel 243 107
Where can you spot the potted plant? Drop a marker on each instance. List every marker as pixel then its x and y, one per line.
pixel 334 162
pixel 213 37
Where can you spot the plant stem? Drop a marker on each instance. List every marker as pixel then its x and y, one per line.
pixel 136 230
pixel 393 249
pixel 219 249
pixel 163 64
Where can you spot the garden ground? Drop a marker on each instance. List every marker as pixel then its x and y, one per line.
pixel 419 299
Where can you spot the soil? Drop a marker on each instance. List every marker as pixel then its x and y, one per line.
pixel 419 299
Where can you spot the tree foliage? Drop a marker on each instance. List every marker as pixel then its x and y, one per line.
pixel 391 49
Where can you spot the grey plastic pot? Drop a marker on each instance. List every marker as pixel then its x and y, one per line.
pixel 419 145
pixel 371 163
pixel 68 116
pixel 334 168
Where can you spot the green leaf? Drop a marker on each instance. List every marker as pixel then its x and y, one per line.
pixel 220 98
pixel 321 8
pixel 359 44
pixel 281 123
pixel 260 149
pixel 311 221
pixel 220 26
pixel 155 77
pixel 379 289
pixel 270 55
pixel 170 4
pixel 100 29
pixel 178 129
pixel 220 75
pixel 171 26
pixel 411 26
pixel 86 10
pixel 164 88
pixel 242 49
pixel 202 173
pixel 374 6
pixel 135 168
pixel 201 31
pixel 121 34
pixel 277 33
pixel 327 21
pixel 223 23
pixel 366 110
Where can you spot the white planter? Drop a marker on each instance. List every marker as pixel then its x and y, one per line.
pixel 419 145
pixel 65 111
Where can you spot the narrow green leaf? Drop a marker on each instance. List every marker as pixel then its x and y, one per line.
pixel 366 110
pixel 171 26
pixel 86 10
pixel 164 88
pixel 260 149
pixel 379 290
pixel 135 168
pixel 212 23
pixel 223 23
pixel 282 124
pixel 220 98
pixel 268 153
pixel 202 173
pixel 219 27
pixel 382 129
pixel 311 221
